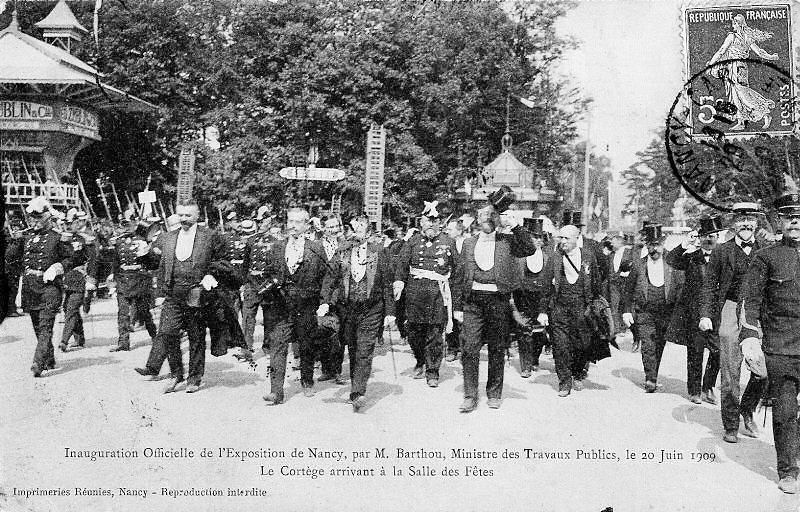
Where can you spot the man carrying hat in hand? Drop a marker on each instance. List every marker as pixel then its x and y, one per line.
pixel 719 307
pixel 770 334
pixel 45 256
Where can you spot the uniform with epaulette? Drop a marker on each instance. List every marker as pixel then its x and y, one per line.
pixel 426 268
pixel 45 256
pixel 255 267
pixel 134 285
pixel 79 280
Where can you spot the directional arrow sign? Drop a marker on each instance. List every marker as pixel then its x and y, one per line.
pixel 312 174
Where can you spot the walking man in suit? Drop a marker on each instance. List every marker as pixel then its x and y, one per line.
pixel 652 294
pixel 297 266
pixel 720 297
pixel 183 274
pixel 620 265
pixel 359 285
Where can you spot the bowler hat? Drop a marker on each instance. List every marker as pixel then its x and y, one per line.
pixel 572 218
pixel 710 225
pixel 502 198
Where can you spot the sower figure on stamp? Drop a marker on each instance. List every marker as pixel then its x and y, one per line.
pixel 426 270
pixel 770 334
pixel 134 286
pixel 45 256
pixel 719 302
pixel 482 298
pixel 183 273
pixel 575 283
pixel 653 289
pixel 80 280
pixel 297 265
pixel 359 285
pixel 693 259
pixel 528 300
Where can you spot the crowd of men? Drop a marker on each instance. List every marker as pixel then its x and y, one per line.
pixel 450 286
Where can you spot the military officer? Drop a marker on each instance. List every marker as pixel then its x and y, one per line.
pixel 134 285
pixel 45 256
pixel 256 260
pixel 427 268
pixel 770 334
pixel 81 279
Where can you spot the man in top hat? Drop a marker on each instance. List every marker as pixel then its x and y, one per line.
pixel 653 290
pixel 575 218
pixel 455 230
pixel 297 267
pixel 620 265
pixel 692 257
pixel 770 335
pixel 134 287
pixel 719 301
pixel 427 268
pixel 81 279
pixel 528 297
pixel 45 256
pixel 573 283
pixel 359 286
pixel 483 298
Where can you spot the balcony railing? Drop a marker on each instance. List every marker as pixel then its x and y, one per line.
pixel 57 194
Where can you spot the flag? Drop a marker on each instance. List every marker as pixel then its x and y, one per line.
pixel 526 101
pixel 98 4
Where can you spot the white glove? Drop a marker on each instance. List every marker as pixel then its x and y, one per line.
pixel 323 309
pixel 705 324
pixel 627 319
pixel 159 301
pixel 54 270
pixel 388 321
pixel 542 319
pixel 142 248
pixel 156 251
pixel 208 282
pixel 397 288
pixel 458 316
pixel 754 356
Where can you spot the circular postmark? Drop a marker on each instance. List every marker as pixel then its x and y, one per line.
pixel 729 131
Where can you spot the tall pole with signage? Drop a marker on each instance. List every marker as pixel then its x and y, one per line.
pixel 185 174
pixel 373 177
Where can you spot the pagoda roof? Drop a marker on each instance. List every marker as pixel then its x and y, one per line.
pixel 506 161
pixel 29 66
pixel 61 17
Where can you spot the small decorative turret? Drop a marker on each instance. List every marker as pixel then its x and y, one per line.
pixel 61 27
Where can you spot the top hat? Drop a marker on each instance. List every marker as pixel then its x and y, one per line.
pixel 502 198
pixel 788 203
pixel 746 208
pixel 652 233
pixel 534 226
pixel 142 229
pixel 645 224
pixel 710 225
pixel 247 227
pixel 572 218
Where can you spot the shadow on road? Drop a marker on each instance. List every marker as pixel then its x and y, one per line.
pixel 666 384
pixel 748 452
pixel 77 363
